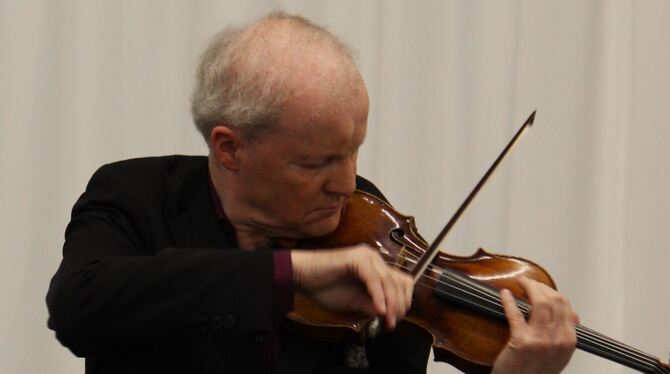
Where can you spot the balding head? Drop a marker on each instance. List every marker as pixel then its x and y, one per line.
pixel 247 73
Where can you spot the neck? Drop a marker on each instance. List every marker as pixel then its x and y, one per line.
pixel 248 236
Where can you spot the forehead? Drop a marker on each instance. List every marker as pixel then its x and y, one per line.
pixel 326 101
pixel 317 121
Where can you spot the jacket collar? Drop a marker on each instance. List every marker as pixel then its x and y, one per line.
pixel 196 224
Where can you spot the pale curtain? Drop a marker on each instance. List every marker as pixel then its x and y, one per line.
pixel 586 193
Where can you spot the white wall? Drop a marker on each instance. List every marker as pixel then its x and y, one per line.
pixel 585 194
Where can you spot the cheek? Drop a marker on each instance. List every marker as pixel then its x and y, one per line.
pixel 288 191
pixel 305 195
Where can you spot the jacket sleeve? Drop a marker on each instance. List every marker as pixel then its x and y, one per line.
pixel 111 290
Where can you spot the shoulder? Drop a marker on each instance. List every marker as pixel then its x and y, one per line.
pixel 150 167
pixel 149 180
pixel 365 185
pixel 152 171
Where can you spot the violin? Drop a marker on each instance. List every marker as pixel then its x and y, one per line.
pixel 456 303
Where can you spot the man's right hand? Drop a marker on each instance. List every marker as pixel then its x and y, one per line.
pixel 353 279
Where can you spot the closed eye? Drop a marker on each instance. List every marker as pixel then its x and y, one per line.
pixel 320 164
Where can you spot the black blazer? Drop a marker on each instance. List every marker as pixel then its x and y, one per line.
pixel 149 284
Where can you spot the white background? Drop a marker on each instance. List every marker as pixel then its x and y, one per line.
pixel 586 193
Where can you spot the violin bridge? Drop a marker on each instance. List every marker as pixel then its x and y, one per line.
pixel 401 261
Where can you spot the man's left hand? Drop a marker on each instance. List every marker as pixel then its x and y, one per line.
pixel 544 343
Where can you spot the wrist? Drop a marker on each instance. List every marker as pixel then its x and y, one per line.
pixel 298 259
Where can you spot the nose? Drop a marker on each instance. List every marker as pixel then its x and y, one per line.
pixel 342 178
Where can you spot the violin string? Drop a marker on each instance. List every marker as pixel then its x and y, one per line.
pixel 596 340
pixel 614 347
pixel 606 350
pixel 587 335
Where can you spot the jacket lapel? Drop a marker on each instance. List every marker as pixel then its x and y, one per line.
pixel 196 224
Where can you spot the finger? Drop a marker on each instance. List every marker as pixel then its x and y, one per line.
pixel 560 306
pixel 400 294
pixel 390 292
pixel 404 285
pixel 575 318
pixel 407 286
pixel 396 295
pixel 369 276
pixel 561 309
pixel 564 332
pixel 567 318
pixel 541 309
pixel 366 305
pixel 571 316
pixel 515 318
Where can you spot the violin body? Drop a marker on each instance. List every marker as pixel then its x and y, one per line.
pixel 468 340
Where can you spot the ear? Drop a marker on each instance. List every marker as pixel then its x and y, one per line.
pixel 225 145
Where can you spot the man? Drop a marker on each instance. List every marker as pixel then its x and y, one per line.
pixel 183 264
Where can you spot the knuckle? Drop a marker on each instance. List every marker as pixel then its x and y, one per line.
pixel 543 346
pixel 559 299
pixel 362 249
pixel 369 250
pixel 531 283
pixel 538 345
pixel 521 342
pixel 568 345
pixel 392 308
pixel 565 341
pixel 362 246
pixel 409 286
pixel 562 345
pixel 565 301
pixel 542 304
pixel 516 318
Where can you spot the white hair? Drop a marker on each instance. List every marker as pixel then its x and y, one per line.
pixel 241 84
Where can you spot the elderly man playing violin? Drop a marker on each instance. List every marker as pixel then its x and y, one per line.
pixel 184 264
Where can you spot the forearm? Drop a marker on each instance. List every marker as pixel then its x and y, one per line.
pixel 130 299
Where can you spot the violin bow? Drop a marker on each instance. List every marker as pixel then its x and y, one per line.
pixel 428 257
pixel 433 250
pixel 587 339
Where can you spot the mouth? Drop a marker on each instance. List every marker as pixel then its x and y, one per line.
pixel 332 208
pixel 327 213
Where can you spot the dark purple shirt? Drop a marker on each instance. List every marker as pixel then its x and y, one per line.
pixel 282 289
